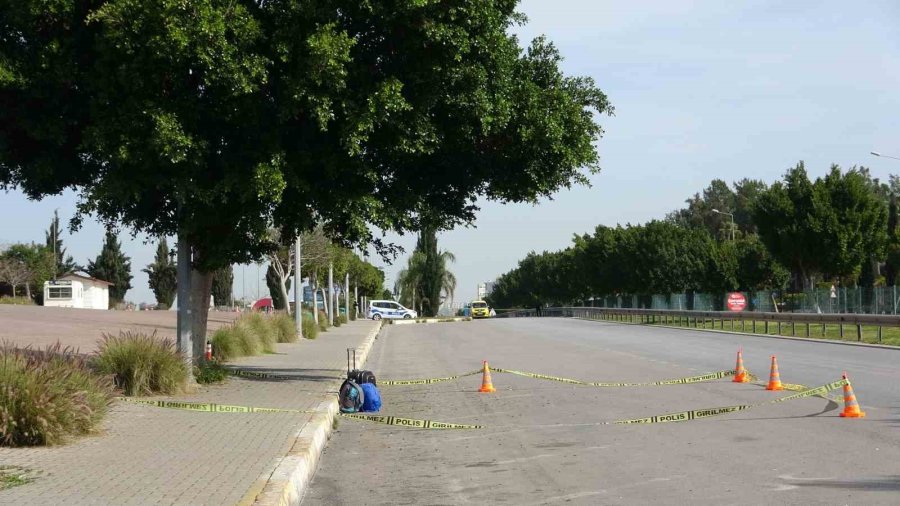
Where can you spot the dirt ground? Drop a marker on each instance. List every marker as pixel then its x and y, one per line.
pixel 40 326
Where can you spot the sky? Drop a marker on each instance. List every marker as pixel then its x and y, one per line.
pixel 701 90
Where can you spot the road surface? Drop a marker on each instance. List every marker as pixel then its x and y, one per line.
pixel 543 443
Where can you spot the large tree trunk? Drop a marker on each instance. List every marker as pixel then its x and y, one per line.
pixel 326 305
pixel 184 324
pixel 284 294
pixel 201 287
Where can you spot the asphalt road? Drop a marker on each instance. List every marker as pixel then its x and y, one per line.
pixel 543 443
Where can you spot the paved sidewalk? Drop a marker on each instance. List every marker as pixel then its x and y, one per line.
pixel 150 455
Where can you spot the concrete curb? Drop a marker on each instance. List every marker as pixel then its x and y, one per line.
pixel 288 481
pixel 430 320
pixel 734 332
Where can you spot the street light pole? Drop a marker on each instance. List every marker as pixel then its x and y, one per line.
pixel 876 153
pixel 732 221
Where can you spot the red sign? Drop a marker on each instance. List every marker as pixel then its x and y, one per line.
pixel 736 301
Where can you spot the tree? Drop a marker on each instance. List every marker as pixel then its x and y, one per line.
pixel 162 274
pixel 218 121
pixel 426 279
pixel 32 265
pixel 829 227
pixel 278 288
pixel 223 281
pixel 892 263
pixel 64 264
pixel 113 266
pixel 14 272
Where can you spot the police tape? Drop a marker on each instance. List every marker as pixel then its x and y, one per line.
pixel 409 422
pixel 425 381
pixel 678 381
pixel 697 414
pixel 209 407
pixel 225 408
pixel 261 375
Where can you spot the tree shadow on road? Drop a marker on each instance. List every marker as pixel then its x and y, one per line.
pixel 882 484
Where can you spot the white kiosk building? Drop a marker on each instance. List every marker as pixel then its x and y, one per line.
pixel 78 291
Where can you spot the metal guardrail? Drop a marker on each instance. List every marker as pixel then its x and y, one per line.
pixel 747 320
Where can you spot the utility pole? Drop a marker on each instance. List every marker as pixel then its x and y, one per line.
pixel 298 279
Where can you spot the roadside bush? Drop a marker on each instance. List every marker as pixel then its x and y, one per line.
pixel 247 341
pixel 142 364
pixel 264 328
pixel 285 328
pixel 343 319
pixel 210 372
pixel 48 396
pixel 337 321
pixel 310 329
pixel 225 343
pixel 16 301
pixel 323 321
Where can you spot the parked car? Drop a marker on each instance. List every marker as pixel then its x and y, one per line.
pixel 389 309
pixel 480 309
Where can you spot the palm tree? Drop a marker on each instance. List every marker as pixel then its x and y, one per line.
pixel 426 279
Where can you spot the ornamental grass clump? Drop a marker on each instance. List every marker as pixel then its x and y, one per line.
pixel 49 396
pixel 285 328
pixel 142 364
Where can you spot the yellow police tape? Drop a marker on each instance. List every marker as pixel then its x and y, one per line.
pixel 210 407
pixel 678 381
pixel 409 422
pixel 426 381
pixel 261 375
pixel 224 408
pixel 697 414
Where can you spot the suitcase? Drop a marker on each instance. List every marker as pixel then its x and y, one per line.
pixel 359 377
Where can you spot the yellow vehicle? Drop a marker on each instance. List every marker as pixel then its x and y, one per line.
pixel 480 309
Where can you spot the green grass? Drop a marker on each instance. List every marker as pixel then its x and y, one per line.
pixel 889 335
pixel 16 301
pixel 210 372
pixel 48 396
pixel 13 477
pixel 142 364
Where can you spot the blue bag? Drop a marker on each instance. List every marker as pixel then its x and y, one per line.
pixel 371 398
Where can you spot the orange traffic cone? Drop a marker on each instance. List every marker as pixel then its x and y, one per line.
pixel 851 407
pixel 740 374
pixel 486 385
pixel 774 377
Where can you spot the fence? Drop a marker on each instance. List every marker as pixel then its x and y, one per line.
pixel 846 325
pixel 877 300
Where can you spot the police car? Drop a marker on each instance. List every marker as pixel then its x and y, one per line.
pixel 389 309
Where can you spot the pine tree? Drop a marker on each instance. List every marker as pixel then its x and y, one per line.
pixel 223 279
pixel 162 274
pixel 64 264
pixel 112 265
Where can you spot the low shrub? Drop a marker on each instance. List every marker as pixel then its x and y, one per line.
pixel 323 321
pixel 285 328
pixel 264 328
pixel 310 329
pixel 16 301
pixel 142 364
pixel 247 341
pixel 210 372
pixel 48 396
pixel 343 319
pixel 225 345
pixel 337 321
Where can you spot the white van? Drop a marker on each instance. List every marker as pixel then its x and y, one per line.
pixel 379 309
